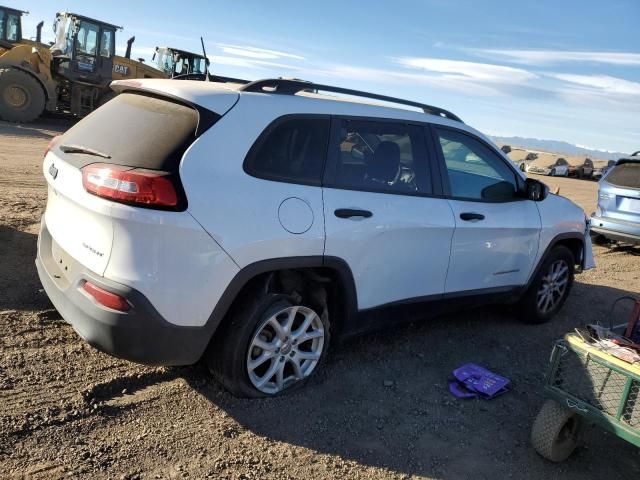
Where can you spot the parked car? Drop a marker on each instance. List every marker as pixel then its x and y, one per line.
pixel 601 170
pixel 521 158
pixel 580 168
pixel 548 165
pixel 250 224
pixel 617 216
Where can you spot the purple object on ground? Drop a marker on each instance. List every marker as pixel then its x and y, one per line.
pixel 471 380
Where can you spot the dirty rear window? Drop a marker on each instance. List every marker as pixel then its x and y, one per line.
pixel 136 130
pixel 625 175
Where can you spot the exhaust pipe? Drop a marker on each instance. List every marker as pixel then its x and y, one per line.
pixel 128 52
pixel 39 32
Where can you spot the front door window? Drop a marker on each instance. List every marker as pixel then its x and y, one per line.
pixel 475 172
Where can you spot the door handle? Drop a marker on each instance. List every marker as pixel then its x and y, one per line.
pixel 471 216
pixel 350 212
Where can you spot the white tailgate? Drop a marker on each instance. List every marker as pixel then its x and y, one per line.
pixel 78 222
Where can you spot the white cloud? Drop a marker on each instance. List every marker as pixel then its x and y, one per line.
pixel 603 83
pixel 399 77
pixel 548 57
pixel 473 71
pixel 248 63
pixel 257 53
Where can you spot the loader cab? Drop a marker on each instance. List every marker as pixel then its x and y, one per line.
pixel 10 26
pixel 84 48
pixel 175 63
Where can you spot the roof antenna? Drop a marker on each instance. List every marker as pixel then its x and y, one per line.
pixel 206 61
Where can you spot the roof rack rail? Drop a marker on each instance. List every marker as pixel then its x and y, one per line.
pixel 286 86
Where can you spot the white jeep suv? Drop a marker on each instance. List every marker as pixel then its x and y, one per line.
pixel 246 224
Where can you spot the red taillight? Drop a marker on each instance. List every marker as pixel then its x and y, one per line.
pixel 127 185
pixel 51 144
pixel 108 299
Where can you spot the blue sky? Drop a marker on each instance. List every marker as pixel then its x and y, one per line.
pixel 564 70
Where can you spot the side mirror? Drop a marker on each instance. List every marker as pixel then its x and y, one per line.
pixel 535 190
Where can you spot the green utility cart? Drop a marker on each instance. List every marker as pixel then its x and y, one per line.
pixel 586 384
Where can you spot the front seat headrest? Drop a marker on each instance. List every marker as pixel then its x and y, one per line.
pixel 385 162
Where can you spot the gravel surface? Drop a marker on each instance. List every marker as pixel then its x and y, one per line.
pixel 379 409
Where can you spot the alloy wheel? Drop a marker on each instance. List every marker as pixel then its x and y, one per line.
pixel 553 287
pixel 285 349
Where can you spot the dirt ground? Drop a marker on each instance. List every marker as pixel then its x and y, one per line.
pixel 380 408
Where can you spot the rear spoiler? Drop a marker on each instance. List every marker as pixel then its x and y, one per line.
pixel 206 117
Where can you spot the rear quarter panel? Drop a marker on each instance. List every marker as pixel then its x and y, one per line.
pixel 238 210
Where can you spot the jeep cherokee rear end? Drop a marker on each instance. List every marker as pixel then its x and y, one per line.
pixel 118 254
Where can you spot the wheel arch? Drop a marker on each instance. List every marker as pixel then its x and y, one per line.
pixel 572 240
pixel 268 274
pixel 48 93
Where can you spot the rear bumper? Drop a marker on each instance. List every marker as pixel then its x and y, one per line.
pixel 620 231
pixel 140 334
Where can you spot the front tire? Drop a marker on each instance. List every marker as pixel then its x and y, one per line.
pixel 550 287
pixel 555 432
pixel 272 346
pixel 552 173
pixel 22 98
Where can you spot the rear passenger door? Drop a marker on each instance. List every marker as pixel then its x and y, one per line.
pixel 497 231
pixel 381 214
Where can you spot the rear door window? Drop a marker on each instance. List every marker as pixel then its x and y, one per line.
pixel 379 156
pixel 291 150
pixel 626 175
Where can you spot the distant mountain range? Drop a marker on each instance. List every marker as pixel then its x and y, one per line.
pixel 557 146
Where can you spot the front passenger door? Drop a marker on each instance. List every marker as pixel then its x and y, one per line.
pixel 496 237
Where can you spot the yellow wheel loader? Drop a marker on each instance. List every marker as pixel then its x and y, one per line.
pixel 180 64
pixel 11 29
pixel 72 76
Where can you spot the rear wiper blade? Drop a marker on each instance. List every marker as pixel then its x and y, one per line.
pixel 85 150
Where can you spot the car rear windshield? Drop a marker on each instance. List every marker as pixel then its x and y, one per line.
pixel 133 129
pixel 625 175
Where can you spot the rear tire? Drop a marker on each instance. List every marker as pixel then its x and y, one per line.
pixel 550 287
pixel 555 432
pixel 22 98
pixel 234 349
pixel 552 173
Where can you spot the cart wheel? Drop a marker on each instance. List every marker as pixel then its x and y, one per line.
pixel 555 431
